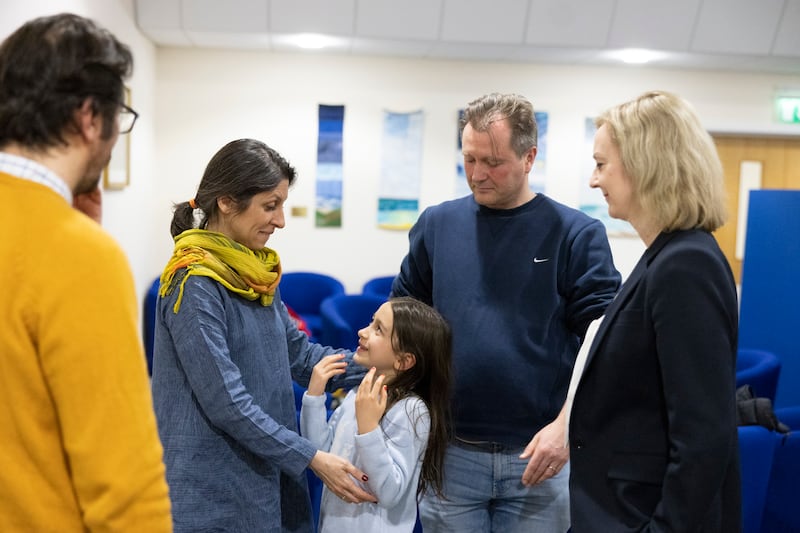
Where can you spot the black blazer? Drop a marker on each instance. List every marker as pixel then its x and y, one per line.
pixel 653 437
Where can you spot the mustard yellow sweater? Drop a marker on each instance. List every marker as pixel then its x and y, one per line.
pixel 79 449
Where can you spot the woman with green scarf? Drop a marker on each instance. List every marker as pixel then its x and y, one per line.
pixel 226 351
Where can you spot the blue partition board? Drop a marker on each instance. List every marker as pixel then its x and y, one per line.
pixel 770 299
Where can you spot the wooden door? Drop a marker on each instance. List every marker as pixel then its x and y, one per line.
pixel 780 169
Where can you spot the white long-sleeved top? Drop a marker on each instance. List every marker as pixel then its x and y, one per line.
pixel 391 455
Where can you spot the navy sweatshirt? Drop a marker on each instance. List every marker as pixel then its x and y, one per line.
pixel 519 287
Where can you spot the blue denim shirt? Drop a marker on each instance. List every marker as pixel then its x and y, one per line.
pixel 222 390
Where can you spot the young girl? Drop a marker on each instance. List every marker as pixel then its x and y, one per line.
pixel 393 426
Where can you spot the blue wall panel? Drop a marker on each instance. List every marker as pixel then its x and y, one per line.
pixel 770 306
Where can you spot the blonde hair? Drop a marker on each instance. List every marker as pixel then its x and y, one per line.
pixel 671 160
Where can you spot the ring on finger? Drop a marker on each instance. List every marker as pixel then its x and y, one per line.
pixel 551 467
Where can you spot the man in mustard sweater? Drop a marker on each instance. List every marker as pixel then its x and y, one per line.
pixel 79 450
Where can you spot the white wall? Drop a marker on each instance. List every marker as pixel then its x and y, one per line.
pixel 207 98
pixel 193 101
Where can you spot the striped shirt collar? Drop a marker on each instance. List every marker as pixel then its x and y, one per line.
pixel 30 170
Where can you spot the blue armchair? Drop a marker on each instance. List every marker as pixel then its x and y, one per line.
pixel 304 293
pixel 381 286
pixel 760 369
pixel 344 315
pixel 756 451
pixel 149 322
pixel 314 483
pixel 781 512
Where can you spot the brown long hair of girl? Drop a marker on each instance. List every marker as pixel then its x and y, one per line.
pixel 419 329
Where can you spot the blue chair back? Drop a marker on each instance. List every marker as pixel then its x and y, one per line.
pixel 381 286
pixel 304 293
pixel 314 483
pixel 149 322
pixel 781 512
pixel 760 369
pixel 756 451
pixel 344 315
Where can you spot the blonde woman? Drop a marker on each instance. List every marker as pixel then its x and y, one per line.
pixel 653 438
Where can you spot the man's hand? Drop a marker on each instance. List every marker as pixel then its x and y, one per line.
pixel 90 203
pixel 547 451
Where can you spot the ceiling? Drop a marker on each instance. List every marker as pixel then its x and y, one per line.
pixel 739 35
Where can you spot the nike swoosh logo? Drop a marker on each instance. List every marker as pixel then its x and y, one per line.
pixel 537 260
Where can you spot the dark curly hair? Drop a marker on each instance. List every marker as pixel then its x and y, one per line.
pixel 48 68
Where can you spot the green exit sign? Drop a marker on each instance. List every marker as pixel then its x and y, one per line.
pixel 789 109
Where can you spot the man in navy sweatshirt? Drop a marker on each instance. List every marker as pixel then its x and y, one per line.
pixel 519 277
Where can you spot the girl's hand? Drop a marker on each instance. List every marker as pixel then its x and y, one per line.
pixel 370 402
pixel 329 366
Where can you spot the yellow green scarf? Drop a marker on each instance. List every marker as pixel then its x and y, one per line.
pixel 251 274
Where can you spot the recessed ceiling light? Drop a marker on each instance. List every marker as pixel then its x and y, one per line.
pixel 312 41
pixel 309 41
pixel 637 56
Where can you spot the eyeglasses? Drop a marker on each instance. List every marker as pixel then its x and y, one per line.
pixel 127 118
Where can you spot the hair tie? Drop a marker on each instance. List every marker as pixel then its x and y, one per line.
pixel 192 204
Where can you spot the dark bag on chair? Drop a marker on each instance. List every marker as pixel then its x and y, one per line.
pixel 752 411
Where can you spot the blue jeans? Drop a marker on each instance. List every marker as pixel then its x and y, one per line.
pixel 484 493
